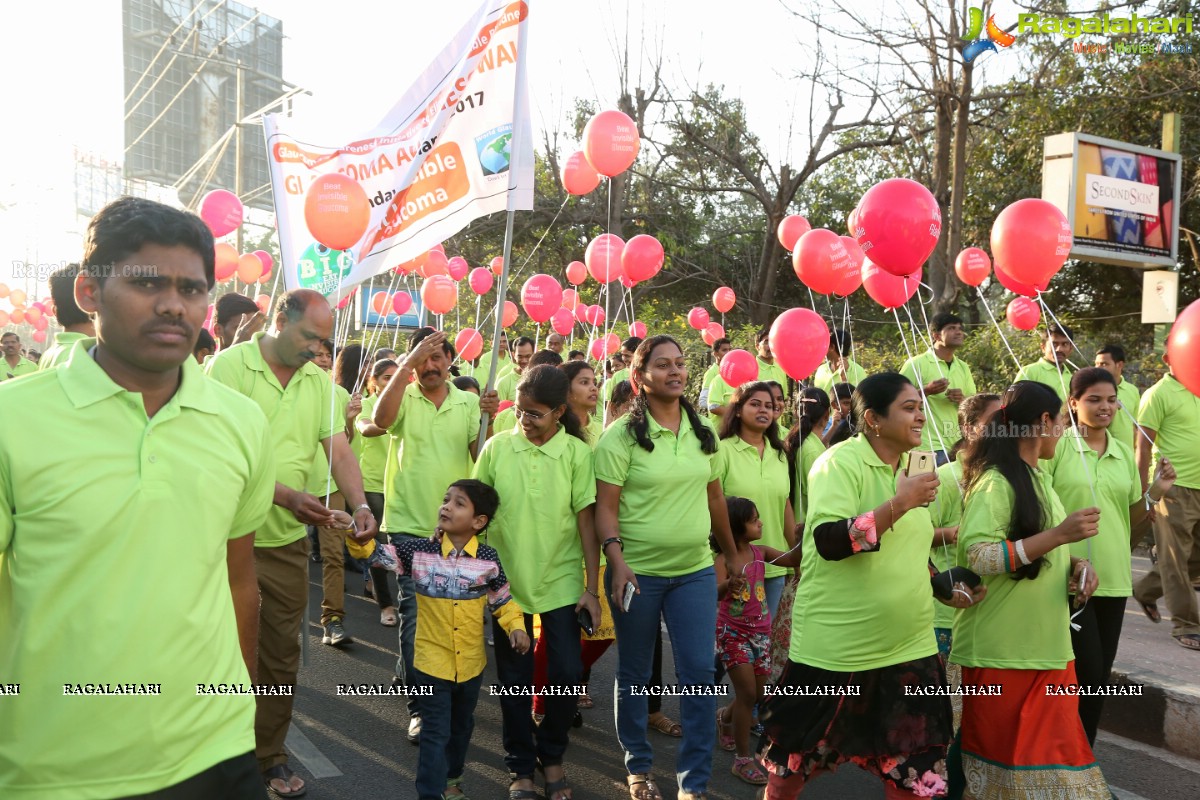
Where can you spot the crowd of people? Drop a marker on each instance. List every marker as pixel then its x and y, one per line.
pixel 893 570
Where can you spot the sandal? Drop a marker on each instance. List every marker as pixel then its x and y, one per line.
pixel 387 617
pixel 641 787
pixel 584 701
pixel 725 739
pixel 664 724
pixel 553 788
pixel 281 772
pixel 1151 611
pixel 1189 640
pixel 522 794
pixel 454 790
pixel 748 771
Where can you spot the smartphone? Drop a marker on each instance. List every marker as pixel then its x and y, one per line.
pixel 943 582
pixel 921 462
pixel 628 598
pixel 585 622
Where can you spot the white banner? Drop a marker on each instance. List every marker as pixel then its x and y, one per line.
pixel 1122 195
pixel 439 159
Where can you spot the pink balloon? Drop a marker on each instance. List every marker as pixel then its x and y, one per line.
pixel 603 257
pixel 724 300
pixel 581 312
pixel 221 211
pixel 1023 313
pixel 1183 347
pixel 637 329
pixel 605 346
pixel 263 301
pixel 439 293
pixel 266 260
pixel 595 316
pixel 820 260
pixel 738 367
pixel 457 268
pixel 510 314
pixel 972 266
pixel 562 321
pixel 481 280
pixel 468 343
pixel 401 303
pixel 497 265
pixel 1031 239
pixel 712 332
pixel 850 282
pixel 576 273
pixel 39 335
pixel 852 223
pixel 597 349
pixel 505 404
pixel 40 323
pixel 434 263
pixel 698 318
pixel 627 283
pixel 578 176
pixel 890 291
pixel 570 299
pixel 642 258
pixel 790 230
pixel 1014 285
pixel 611 142
pixel 541 296
pixel 899 223
pixel 799 340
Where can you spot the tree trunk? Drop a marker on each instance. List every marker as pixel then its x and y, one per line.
pixel 962 127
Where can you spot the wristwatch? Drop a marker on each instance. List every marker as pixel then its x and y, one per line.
pixel 368 508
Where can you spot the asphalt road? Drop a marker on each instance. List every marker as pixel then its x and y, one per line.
pixel 350 748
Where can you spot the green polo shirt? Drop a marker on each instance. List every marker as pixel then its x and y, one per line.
pixel 946 512
pixel 1021 624
pixel 506 387
pixel 373 450
pixel 764 481
pixel 1122 422
pixel 1169 409
pixel 542 489
pixel 1043 371
pixel 593 427
pixel 663 517
pixel 609 385
pixel 810 450
pixel 710 373
pixel 24 367
pixel 825 378
pixel 429 450
pixel 134 515
pixel 872 609
pixel 941 414
pixel 504 366
pixel 299 418
pixel 505 420
pixel 320 477
pixel 772 372
pixel 1114 475
pixel 60 350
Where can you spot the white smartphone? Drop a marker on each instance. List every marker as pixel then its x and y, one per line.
pixel 921 462
pixel 628 598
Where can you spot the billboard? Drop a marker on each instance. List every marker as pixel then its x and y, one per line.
pixel 1122 200
pixel 369 318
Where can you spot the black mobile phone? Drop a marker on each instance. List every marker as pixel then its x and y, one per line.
pixel 585 622
pixel 943 582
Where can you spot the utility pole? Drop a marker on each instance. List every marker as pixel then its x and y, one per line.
pixel 237 145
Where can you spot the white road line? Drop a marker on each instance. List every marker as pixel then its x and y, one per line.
pixel 1121 794
pixel 319 631
pixel 1159 754
pixel 309 755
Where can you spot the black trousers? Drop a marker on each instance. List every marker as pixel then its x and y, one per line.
pixel 384 595
pixel 236 778
pixel 1095 645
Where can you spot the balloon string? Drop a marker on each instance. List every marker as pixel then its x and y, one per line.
pixel 999 330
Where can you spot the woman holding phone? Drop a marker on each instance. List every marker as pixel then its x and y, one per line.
pixel 658 497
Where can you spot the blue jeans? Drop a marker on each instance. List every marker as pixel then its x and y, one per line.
pixel 406 610
pixel 689 605
pixel 447 720
pixel 774 587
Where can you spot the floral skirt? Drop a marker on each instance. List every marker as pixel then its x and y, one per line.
pixel 781 628
pixel 870 721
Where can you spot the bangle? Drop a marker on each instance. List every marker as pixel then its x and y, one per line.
pixel 593 594
pixel 1020 548
pixel 609 541
pixel 368 508
pixel 892 511
pixel 1150 501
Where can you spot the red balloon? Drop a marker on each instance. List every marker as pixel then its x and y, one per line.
pixel 468 343
pixel 510 314
pixel 578 176
pixel 724 300
pixel 263 301
pixel 40 323
pixel 738 367
pixel 457 268
pixel 401 303
pixel 972 266
pixel 576 273
pixel 627 283
pixel 605 346
pixel 799 340
pixel 899 223
pixel 434 263
pixel 603 257
pixel 594 316
pixel 39 335
pixel 439 293
pixel 380 301
pixel 712 332
pixel 637 329
pixel 642 257
pixel 226 261
pixel 820 260
pixel 1183 348
pixel 698 318
pixel 249 268
pixel 562 321
pixel 790 230
pixel 505 404
pixel 222 211
pixel 337 211
pixel 497 265
pixel 890 291
pixel 581 312
pixel 850 282
pixel 1031 239
pixel 1015 286
pixel 1023 313
pixel 570 299
pixel 610 142
pixel 852 223
pixel 541 296
pixel 481 280
pixel 33 313
pixel 266 260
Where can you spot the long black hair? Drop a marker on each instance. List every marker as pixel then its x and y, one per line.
pixel 814 405
pixel 1023 406
pixel 637 423
pixel 548 386
pixel 348 366
pixel 731 423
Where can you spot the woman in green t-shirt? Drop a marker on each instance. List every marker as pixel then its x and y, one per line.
pixel 862 625
pixel 1023 736
pixel 1092 466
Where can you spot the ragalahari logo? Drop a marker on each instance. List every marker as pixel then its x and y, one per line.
pixel 995 36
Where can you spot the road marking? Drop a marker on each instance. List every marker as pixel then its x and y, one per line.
pixel 1159 754
pixel 1121 794
pixel 320 632
pixel 309 754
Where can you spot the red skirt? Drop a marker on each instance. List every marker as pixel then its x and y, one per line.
pixel 1027 743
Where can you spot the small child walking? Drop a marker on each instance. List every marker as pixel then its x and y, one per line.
pixel 744 634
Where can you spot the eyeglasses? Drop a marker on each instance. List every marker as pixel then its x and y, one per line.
pixel 521 413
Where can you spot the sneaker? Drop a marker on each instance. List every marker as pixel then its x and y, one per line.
pixel 414 730
pixel 335 634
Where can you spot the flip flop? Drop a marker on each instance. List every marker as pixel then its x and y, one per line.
pixel 1151 611
pixel 283 773
pixel 1189 640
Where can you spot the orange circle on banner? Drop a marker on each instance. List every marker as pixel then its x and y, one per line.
pixel 337 211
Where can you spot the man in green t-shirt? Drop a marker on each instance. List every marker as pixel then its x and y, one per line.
pixel 945 381
pixel 838 366
pixel 620 363
pixel 77 324
pixel 506 387
pixel 1052 369
pixel 13 364
pixel 719 348
pixel 1112 358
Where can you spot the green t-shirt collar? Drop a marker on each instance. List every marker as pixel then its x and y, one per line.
pixel 85 382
